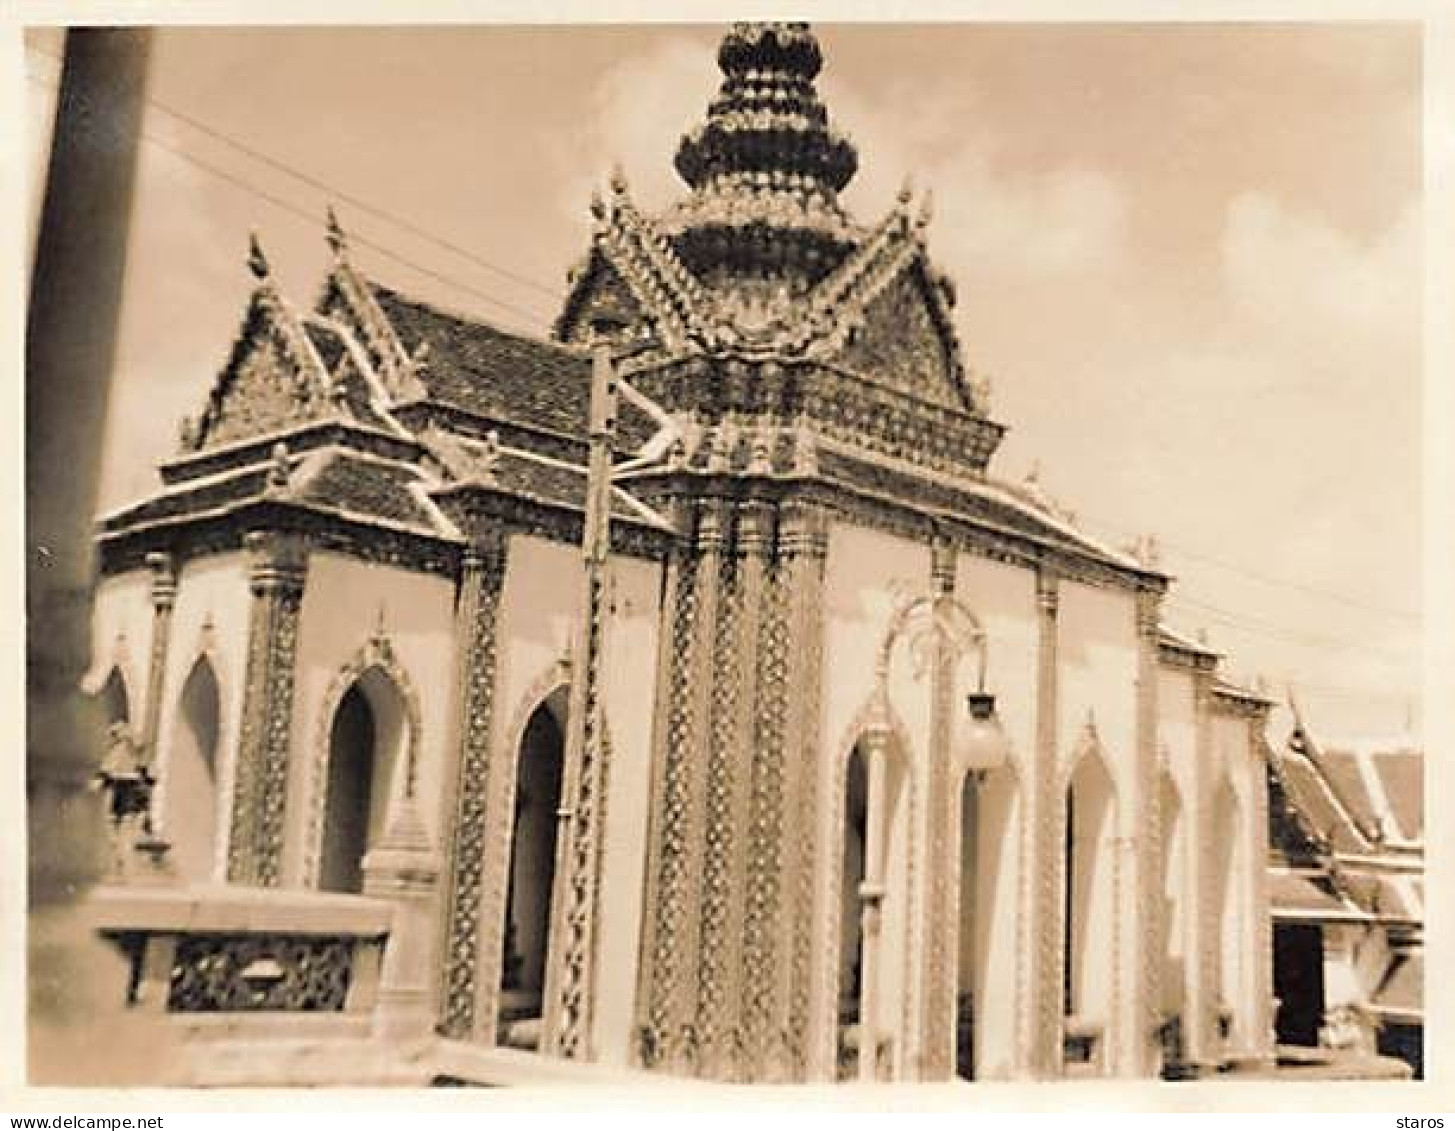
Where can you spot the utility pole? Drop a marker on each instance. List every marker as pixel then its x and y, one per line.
pixel 75 298
pixel 572 972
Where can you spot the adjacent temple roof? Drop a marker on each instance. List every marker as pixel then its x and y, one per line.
pixel 1348 818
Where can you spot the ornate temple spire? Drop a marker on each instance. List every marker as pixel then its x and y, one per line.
pixel 765 168
pixel 767 124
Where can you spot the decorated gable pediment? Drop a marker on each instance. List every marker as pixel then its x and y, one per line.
pixel 599 296
pixel 274 379
pixel 901 338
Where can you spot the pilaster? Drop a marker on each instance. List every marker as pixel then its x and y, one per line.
pixel 799 578
pixel 1259 920
pixel 766 951
pixel 716 1005
pixel 277 570
pixel 1142 902
pixel 570 990
pixel 1039 1051
pixel 936 1054
pixel 1200 1020
pixel 660 963
pixel 672 1039
pixel 164 598
pixel 477 611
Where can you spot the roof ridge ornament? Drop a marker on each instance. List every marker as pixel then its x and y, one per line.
pixel 338 241
pixel 257 260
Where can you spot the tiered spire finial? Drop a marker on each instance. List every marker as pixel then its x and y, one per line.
pixel 767 120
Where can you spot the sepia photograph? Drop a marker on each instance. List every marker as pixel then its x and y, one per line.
pixel 684 554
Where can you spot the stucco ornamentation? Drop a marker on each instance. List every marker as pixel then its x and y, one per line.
pixel 495 864
pixel 375 654
pixel 476 615
pixel 278 565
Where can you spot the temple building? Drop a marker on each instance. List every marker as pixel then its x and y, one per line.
pixel 1347 895
pixel 683 694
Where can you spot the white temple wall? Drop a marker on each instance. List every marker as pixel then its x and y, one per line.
pixel 121 636
pixel 1003 597
pixel 346 602
pixel 1177 741
pixel 1097 670
pixel 867 574
pixel 631 665
pixel 210 618
pixel 539 599
pixel 1244 919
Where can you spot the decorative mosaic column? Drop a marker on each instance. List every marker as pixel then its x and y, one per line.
pixel 164 598
pixel 482 574
pixel 725 987
pixel 1261 920
pixel 1143 943
pixel 278 566
pixel 669 1037
pixel 799 582
pixel 1202 959
pixel 936 1060
pixel 765 955
pixel 570 989
pixel 1043 864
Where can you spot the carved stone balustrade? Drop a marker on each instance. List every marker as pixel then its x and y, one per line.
pixel 244 960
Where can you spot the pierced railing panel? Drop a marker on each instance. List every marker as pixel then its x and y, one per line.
pixel 242 973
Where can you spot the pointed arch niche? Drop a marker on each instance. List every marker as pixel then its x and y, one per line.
pixel 988 916
pixel 540 758
pixel 367 754
pixel 190 821
pixel 114 698
pixel 1090 909
pixel 873 787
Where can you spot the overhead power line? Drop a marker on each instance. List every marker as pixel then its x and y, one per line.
pixel 352 200
pixel 1227 617
pixel 1264 578
pixel 1282 632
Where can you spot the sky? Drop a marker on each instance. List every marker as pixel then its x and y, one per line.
pixel 1188 256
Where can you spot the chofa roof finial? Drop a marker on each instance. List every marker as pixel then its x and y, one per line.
pixel 926 209
pixel 257 261
pixel 337 241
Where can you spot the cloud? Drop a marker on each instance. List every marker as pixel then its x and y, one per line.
pixel 990 221
pixel 1022 223
pixel 1315 290
pixel 640 107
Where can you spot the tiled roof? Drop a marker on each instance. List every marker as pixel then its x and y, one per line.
pixel 191 497
pixel 544 480
pixel 342 366
pixel 1291 834
pixel 1402 773
pixel 333 479
pixel 1402 989
pixel 993 505
pixel 1299 896
pixel 1341 770
pixel 487 371
pixel 368 488
pixel 1308 789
